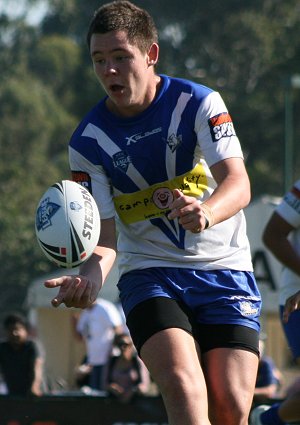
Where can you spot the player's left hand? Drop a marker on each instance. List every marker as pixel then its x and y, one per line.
pixel 188 211
pixel 74 291
pixel 292 304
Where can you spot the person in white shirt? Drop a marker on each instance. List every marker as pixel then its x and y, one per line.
pixel 97 326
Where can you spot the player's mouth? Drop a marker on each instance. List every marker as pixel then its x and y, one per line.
pixel 116 88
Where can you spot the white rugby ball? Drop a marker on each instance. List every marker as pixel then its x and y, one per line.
pixel 67 224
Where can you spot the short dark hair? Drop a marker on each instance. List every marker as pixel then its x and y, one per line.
pixel 14 319
pixel 122 15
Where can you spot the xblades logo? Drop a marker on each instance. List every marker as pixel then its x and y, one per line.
pixel 138 136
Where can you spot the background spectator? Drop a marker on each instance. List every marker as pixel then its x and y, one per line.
pixel 126 374
pixel 97 326
pixel 21 361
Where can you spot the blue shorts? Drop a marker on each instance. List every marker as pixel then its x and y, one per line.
pixel 213 297
pixel 291 331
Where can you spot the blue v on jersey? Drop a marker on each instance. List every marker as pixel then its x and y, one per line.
pixel 132 164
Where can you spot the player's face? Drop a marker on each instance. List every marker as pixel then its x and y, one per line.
pixel 126 73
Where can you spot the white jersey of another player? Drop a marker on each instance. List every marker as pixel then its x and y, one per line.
pixel 289 210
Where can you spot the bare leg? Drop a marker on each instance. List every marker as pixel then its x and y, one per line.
pixel 172 359
pixel 230 377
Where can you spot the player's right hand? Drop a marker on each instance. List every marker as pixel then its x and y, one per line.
pixel 74 291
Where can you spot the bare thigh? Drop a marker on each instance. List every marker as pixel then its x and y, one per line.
pixel 171 356
pixel 230 378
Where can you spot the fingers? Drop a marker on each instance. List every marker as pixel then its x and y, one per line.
pixel 188 211
pixel 180 201
pixel 59 281
pixel 74 291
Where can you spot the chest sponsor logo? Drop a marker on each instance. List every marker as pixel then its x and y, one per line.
pixel 221 126
pixel 154 201
pixel 139 136
pixel 121 160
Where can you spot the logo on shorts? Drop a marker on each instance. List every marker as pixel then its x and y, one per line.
pixel 221 126
pixel 247 309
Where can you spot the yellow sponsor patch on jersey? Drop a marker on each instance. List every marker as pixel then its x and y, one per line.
pixel 155 201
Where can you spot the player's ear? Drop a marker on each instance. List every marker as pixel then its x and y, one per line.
pixel 153 53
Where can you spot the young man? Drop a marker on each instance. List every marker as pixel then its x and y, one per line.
pixel 161 157
pixel 20 360
pixel 282 238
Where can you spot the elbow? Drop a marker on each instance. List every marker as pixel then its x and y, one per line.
pixel 245 195
pixel 247 199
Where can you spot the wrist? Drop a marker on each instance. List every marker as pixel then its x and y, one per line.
pixel 208 215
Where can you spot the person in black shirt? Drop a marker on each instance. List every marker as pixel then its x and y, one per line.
pixel 20 360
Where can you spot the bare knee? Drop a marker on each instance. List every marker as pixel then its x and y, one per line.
pixel 228 410
pixel 179 382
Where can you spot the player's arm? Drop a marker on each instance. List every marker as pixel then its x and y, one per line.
pixel 292 304
pixel 231 195
pixel 81 290
pixel 233 189
pixel 275 237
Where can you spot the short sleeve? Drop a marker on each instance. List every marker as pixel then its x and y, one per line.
pixel 289 208
pixel 215 130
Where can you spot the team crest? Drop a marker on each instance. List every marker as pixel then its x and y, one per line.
pixel 121 160
pixel 44 214
pixel 174 141
pixel 162 197
pixel 247 308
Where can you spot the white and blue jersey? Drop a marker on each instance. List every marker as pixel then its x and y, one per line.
pixel 289 210
pixel 131 166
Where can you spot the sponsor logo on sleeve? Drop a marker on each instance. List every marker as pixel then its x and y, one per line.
pixel 83 179
pixel 221 126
